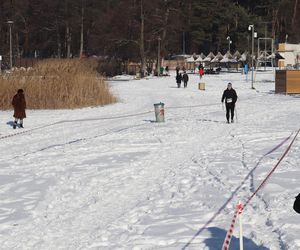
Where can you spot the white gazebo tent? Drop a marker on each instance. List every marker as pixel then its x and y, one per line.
pixel 228 58
pixel 217 58
pixel 243 57
pixel 199 59
pixel 209 57
pixel 237 55
pixel 202 56
pixel 191 63
pixel 190 60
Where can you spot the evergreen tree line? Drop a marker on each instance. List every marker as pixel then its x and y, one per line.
pixel 132 29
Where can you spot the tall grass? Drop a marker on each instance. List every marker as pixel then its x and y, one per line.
pixel 57 84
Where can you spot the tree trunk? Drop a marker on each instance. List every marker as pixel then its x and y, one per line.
pixel 81 33
pixel 164 33
pixel 142 41
pixel 58 40
pixel 68 40
pixel 26 44
pixel 274 22
pixel 17 45
pixel 294 13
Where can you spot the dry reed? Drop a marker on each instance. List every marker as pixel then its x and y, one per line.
pixel 57 84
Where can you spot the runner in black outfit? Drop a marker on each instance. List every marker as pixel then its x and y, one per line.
pixel 230 98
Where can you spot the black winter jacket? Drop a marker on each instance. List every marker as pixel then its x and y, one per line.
pixel 229 96
pixel 179 78
pixel 297 204
pixel 185 77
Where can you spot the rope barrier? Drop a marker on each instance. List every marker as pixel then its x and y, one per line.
pixel 238 210
pixel 226 242
pixel 27 131
pixel 105 118
pixel 194 106
pixel 273 170
pixel 99 119
pixel 235 192
pixel 108 118
pixel 75 120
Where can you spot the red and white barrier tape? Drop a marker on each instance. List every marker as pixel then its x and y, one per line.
pixel 99 119
pixel 235 192
pixel 70 121
pixel 273 170
pixel 27 131
pixel 240 208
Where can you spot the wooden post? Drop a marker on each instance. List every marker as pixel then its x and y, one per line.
pixel 241 229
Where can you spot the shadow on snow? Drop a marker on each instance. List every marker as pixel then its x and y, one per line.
pixel 218 235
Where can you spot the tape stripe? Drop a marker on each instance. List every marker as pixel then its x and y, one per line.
pixel 240 209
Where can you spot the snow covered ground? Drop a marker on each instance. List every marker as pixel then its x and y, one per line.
pixel 130 183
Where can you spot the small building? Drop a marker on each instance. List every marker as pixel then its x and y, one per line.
pixel 287 81
pixel 291 55
pixel 133 68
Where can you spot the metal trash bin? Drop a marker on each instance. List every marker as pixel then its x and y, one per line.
pixel 201 86
pixel 159 112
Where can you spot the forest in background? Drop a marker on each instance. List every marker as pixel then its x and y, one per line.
pixel 130 29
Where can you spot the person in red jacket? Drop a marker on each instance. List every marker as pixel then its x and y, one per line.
pixel 201 72
pixel 19 105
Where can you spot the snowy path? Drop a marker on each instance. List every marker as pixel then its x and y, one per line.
pixel 129 183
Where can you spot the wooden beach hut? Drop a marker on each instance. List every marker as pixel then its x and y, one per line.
pixel 287 81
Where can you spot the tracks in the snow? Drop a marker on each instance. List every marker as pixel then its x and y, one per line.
pixel 250 176
pixel 59 146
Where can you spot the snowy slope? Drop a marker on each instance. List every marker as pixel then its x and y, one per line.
pixel 129 183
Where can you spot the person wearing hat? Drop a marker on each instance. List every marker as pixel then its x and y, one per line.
pixel 19 105
pixel 230 98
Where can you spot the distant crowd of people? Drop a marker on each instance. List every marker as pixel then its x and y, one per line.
pixel 182 76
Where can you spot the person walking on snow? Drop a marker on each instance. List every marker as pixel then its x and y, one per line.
pixel 230 97
pixel 167 70
pixel 185 78
pixel 246 69
pixel 178 80
pixel 177 70
pixel 19 105
pixel 201 72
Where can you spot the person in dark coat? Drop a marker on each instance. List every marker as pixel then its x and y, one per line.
pixel 297 204
pixel 185 79
pixel 177 70
pixel 178 80
pixel 167 70
pixel 19 104
pixel 230 97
